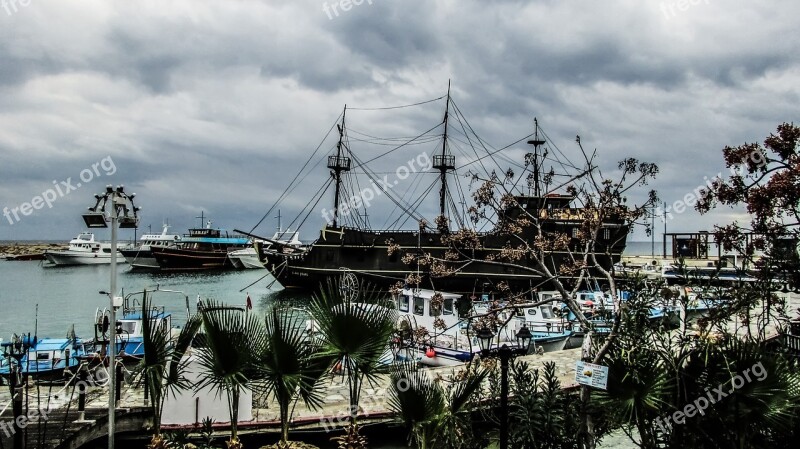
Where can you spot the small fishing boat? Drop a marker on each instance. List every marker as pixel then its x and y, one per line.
pixel 551 330
pixel 46 359
pixel 432 332
pixel 129 329
pixel 85 250
pixel 141 256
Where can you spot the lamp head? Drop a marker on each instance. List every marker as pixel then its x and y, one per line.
pixel 524 337
pixel 485 337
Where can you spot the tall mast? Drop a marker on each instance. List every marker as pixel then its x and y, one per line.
pixel 338 164
pixel 536 142
pixel 444 162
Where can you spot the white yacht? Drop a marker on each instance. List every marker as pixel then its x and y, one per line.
pixel 85 250
pixel 141 257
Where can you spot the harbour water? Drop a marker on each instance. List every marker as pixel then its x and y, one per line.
pixel 70 295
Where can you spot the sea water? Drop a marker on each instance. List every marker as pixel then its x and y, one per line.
pixel 52 299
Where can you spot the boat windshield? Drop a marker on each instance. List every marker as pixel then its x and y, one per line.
pixel 403 303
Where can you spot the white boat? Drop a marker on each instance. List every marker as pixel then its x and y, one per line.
pixel 551 330
pixel 247 259
pixel 434 333
pixel 141 257
pixel 84 250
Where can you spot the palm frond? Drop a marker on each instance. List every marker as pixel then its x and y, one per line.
pixel 233 339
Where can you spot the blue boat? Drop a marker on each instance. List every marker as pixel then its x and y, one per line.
pixel 129 330
pixel 45 359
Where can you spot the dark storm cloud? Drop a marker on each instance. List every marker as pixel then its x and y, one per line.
pixel 214 106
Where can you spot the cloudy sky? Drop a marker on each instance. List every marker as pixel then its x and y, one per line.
pixel 214 106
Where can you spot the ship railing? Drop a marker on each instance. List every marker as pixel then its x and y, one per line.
pixel 792 342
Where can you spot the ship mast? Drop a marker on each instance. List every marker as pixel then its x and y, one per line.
pixel 338 164
pixel 536 142
pixel 444 162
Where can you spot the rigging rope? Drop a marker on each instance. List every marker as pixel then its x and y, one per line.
pixel 397 107
pixel 292 184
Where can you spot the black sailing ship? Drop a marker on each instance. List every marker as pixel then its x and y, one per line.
pixel 356 254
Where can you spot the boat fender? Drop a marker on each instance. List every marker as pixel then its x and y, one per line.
pixel 430 353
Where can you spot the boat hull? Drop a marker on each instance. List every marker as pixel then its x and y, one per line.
pixel 368 256
pixel 140 259
pixel 179 259
pixel 68 258
pixel 556 342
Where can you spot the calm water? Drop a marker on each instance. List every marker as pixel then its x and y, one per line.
pixel 69 295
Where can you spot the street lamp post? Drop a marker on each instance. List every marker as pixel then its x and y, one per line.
pixel 16 350
pixel 112 206
pixel 505 354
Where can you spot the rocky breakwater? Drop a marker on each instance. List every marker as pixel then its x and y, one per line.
pixel 27 250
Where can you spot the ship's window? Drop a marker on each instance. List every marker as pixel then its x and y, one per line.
pixel 393 257
pixel 329 256
pixel 419 306
pixel 128 326
pixel 532 312
pixel 547 312
pixel 448 306
pixel 607 234
pixel 107 250
pixel 574 233
pixel 403 306
pixel 42 356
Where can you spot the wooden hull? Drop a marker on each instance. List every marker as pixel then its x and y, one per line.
pixel 365 255
pixel 179 259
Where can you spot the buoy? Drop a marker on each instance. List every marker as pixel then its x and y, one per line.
pixel 430 353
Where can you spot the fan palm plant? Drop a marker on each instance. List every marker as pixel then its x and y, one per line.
pixel 288 366
pixel 234 339
pixel 435 417
pixel 762 396
pixel 162 367
pixel 354 329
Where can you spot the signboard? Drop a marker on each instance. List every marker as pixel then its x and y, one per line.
pixel 591 374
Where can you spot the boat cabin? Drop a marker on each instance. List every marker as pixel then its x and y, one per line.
pixel 424 306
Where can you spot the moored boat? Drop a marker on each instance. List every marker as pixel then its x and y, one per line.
pixel 433 332
pixel 129 329
pixel 385 257
pixel 248 259
pixel 141 256
pixel 46 359
pixel 202 249
pixel 85 250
